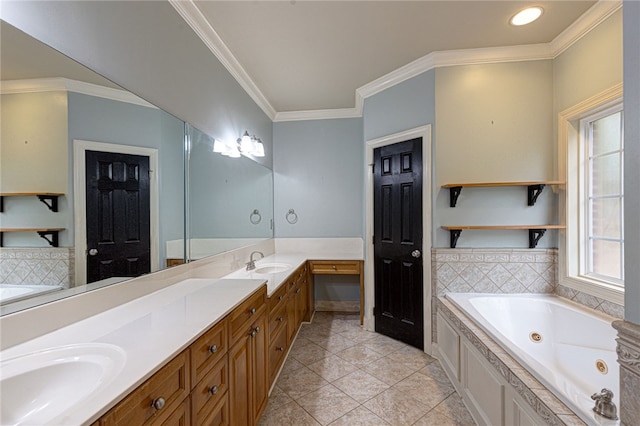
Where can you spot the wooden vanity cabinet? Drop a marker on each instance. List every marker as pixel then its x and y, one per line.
pixel 154 402
pixel 220 379
pixel 248 363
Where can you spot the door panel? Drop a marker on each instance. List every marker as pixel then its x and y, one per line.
pixel 118 197
pixel 398 234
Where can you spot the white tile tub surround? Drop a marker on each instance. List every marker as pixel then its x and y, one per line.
pixel 38 266
pixel 590 301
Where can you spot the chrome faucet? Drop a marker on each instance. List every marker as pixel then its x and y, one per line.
pixel 604 404
pixel 251 264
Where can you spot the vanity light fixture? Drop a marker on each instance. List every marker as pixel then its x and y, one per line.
pixel 251 145
pixel 526 16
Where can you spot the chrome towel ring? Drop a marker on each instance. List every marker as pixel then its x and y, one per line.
pixel 291 216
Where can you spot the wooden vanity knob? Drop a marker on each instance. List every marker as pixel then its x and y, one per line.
pixel 158 403
pixel 213 349
pixel 280 319
pixel 213 390
pixel 333 267
pixel 252 311
pixel 280 349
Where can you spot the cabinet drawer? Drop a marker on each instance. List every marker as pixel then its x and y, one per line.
pixel 246 312
pixel 210 390
pixel 278 298
pixel 277 351
pixel 181 416
pixel 277 319
pixel 170 383
pixel 208 349
pixel 345 267
pixel 219 414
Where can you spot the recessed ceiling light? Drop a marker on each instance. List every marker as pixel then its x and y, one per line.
pixel 526 16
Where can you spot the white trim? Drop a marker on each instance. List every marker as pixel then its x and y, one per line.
pixel 58 84
pixel 589 20
pixel 80 196
pixel 568 172
pixel 423 132
pixel 196 20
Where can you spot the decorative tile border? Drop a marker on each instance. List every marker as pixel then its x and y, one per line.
pixel 38 266
pixel 629 359
pixel 541 400
pixel 609 308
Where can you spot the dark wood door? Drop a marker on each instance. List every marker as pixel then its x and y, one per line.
pixel 398 257
pixel 118 222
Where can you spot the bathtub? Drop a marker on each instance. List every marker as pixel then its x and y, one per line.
pixel 13 292
pixel 569 349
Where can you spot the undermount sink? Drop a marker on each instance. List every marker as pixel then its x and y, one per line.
pixel 40 386
pixel 272 268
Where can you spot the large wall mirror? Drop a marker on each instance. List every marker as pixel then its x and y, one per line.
pixel 66 130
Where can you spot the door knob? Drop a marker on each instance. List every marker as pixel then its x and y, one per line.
pixel 416 253
pixel 93 252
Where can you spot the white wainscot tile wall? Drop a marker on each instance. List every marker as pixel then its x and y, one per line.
pixel 37 266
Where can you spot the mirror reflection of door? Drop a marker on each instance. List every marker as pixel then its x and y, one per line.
pixel 118 206
pixel 397 183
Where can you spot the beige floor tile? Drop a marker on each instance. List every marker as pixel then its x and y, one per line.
pixel 314 333
pixel 340 326
pixel 332 368
pixel 361 385
pixel 291 364
pixel 388 370
pixel 307 352
pixel 359 417
pixel 412 357
pixel 454 408
pixel 322 317
pixel 384 345
pixel 300 382
pixel 359 335
pixel 436 372
pixel 288 414
pixel 396 407
pixel 277 399
pixel 424 389
pixel 434 418
pixel 327 404
pixel 335 343
pixel 359 355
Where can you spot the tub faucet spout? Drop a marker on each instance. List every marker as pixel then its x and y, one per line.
pixel 604 404
pixel 251 264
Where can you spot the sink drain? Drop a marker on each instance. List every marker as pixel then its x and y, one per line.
pixel 535 337
pixel 601 366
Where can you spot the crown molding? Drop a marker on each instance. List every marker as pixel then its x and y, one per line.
pixel 196 20
pixel 59 84
pixel 532 52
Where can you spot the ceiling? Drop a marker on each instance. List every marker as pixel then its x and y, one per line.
pixel 313 55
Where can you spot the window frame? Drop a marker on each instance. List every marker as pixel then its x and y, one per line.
pixel 571 243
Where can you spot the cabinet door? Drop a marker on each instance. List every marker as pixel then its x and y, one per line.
pixel 260 367
pixel 240 382
pixel 292 326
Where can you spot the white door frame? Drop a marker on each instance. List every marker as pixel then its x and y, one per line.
pixel 80 199
pixel 423 132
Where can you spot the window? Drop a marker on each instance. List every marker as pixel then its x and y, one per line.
pixel 602 150
pixel 590 159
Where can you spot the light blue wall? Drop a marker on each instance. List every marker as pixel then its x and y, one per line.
pixel 103 120
pixel 632 159
pixel 319 172
pixel 402 107
pixel 147 48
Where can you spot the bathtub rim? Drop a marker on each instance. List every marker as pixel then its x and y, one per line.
pixel 539 398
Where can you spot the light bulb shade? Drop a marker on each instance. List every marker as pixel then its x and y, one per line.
pixel 526 16
pixel 258 149
pixel 234 153
pixel 245 143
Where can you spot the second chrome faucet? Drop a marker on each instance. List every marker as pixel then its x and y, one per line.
pixel 251 264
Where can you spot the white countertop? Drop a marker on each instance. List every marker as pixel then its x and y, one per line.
pixel 151 330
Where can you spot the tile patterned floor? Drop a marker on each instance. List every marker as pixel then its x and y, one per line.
pixel 339 374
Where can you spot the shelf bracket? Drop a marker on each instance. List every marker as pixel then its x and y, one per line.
pixel 454 235
pixel 533 192
pixel 454 193
pixel 53 242
pixel 534 236
pixel 51 201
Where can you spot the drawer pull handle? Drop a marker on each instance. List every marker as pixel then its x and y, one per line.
pixel 280 319
pixel 334 267
pixel 253 333
pixel 257 329
pixel 280 297
pixel 213 390
pixel 298 291
pixel 213 349
pixel 158 403
pixel 252 311
pixel 280 348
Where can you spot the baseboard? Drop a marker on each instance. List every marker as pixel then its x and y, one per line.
pixel 337 306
